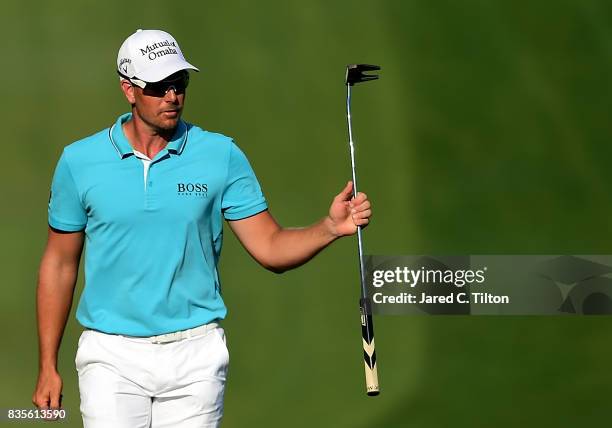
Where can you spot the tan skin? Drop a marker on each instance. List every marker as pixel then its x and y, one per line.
pixel 276 248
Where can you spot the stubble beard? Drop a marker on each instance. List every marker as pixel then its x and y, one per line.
pixel 163 127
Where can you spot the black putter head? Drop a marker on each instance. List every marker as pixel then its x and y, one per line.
pixel 354 73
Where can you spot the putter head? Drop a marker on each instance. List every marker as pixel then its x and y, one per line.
pixel 355 73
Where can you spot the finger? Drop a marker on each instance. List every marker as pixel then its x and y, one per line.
pixel 51 417
pixel 55 400
pixel 346 193
pixel 41 399
pixel 361 207
pixel 361 198
pixel 42 404
pixel 361 221
pixel 362 214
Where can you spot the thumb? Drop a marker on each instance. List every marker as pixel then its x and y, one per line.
pixel 346 193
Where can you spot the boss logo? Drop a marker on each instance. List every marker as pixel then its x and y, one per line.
pixel 192 189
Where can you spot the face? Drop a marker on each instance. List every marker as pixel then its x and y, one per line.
pixel 159 104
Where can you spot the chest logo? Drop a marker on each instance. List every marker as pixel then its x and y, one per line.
pixel 192 189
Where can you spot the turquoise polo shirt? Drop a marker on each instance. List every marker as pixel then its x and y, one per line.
pixel 153 234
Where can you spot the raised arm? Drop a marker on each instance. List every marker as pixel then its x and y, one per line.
pixel 279 249
pixel 57 277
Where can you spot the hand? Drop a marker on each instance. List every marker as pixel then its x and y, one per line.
pixel 346 213
pixel 48 393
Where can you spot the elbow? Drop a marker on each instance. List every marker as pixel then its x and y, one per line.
pixel 274 260
pixel 275 266
pixel 275 269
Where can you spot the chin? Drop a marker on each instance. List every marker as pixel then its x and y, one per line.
pixel 169 124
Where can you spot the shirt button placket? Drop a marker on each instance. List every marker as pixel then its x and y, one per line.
pixel 150 190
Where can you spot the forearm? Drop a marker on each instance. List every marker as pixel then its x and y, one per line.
pixel 53 300
pixel 279 249
pixel 292 247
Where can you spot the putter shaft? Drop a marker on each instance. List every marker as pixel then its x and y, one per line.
pixel 354 176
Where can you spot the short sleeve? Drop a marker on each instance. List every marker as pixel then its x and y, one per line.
pixel 66 211
pixel 242 196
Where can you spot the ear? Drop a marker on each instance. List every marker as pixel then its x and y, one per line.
pixel 128 91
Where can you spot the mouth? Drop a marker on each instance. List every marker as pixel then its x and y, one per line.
pixel 171 113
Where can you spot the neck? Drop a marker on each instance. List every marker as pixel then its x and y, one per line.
pixel 145 138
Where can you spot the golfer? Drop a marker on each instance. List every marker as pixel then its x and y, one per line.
pixel 148 195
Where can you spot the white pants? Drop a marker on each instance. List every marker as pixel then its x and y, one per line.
pixel 128 382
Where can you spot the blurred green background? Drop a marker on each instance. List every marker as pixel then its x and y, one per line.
pixel 488 133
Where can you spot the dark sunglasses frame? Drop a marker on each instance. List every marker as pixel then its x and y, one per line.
pixel 159 89
pixel 177 81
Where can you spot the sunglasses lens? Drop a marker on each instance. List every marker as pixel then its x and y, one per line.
pixel 159 89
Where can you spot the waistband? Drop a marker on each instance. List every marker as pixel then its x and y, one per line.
pixel 174 336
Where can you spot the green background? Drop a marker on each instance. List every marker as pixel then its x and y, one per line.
pixel 488 133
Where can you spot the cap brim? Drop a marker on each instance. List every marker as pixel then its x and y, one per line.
pixel 155 74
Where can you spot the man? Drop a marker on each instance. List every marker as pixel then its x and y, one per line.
pixel 148 195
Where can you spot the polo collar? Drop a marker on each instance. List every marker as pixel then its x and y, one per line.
pixel 125 149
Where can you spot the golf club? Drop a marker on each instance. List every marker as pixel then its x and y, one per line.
pixel 355 74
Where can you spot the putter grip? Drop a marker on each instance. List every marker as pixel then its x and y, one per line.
pixel 369 351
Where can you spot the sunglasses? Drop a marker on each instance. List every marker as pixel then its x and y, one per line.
pixel 177 82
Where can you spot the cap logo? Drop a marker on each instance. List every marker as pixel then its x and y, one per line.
pixel 155 50
pixel 123 64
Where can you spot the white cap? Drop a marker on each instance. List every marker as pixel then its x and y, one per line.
pixel 151 56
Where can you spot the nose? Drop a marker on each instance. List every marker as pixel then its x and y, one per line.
pixel 170 94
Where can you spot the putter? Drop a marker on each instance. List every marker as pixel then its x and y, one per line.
pixel 355 74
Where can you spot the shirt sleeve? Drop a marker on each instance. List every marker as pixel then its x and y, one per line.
pixel 242 196
pixel 66 212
